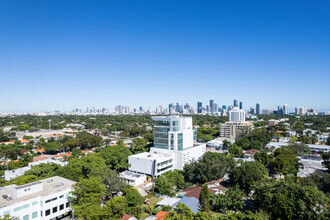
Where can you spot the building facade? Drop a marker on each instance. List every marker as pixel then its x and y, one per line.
pixel 236 114
pixel 174 146
pixel 40 200
pixel 235 129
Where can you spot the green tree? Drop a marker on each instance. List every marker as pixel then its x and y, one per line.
pixel 76 152
pixel 236 151
pixel 81 167
pixel 321 180
pixel 116 157
pixel 264 158
pixel 299 148
pixel 139 145
pixel 23 127
pixel 285 161
pixel 326 159
pixel 110 179
pixel 210 167
pixel 289 200
pixel 52 147
pixel 204 199
pixel 118 206
pixel 43 170
pixel 164 186
pixel 86 199
pixel 242 216
pixel 231 200
pixel 133 199
pixel 247 175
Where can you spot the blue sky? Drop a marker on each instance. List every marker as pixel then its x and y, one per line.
pixel 58 55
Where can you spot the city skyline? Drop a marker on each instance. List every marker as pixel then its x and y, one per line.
pixel 62 55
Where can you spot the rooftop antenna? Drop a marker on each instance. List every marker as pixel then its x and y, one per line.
pixel 50 123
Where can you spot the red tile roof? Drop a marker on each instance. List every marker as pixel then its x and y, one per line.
pixel 192 191
pixel 161 215
pixel 126 217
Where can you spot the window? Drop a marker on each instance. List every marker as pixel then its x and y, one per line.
pixel 54 198
pixel 62 207
pixel 47 212
pixel 61 196
pixel 34 214
pixel 26 217
pixel 17 209
pixel 35 203
pixel 180 141
pixel 67 205
pixel 25 206
pixel 47 201
pixel 55 209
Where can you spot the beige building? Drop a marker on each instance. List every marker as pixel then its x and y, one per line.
pixel 234 129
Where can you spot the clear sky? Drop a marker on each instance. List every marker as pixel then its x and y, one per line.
pixel 62 54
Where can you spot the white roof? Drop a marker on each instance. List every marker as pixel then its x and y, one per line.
pixel 168 201
pixel 50 186
pixel 152 156
pixel 325 147
pixel 131 175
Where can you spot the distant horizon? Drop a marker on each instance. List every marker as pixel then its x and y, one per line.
pixel 60 55
pixel 145 108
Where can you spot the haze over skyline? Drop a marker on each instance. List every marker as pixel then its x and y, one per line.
pixel 59 55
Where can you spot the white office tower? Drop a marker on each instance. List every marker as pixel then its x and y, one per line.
pixel 40 200
pixel 286 109
pixel 174 146
pixel 236 114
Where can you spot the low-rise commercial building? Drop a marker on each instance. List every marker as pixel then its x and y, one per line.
pixel 40 200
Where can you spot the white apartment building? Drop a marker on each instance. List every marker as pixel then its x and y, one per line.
pixel 236 114
pixel 301 110
pixel 11 174
pixel 174 146
pixel 40 200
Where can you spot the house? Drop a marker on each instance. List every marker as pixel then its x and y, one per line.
pixel 132 178
pixel 191 191
pixel 215 187
pixel 190 202
pixel 250 152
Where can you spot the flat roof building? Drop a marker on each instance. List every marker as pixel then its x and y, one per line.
pixel 40 200
pixel 132 178
pixel 174 146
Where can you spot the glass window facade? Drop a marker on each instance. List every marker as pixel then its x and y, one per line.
pixel 180 141
pixel 162 123
pixel 175 126
pixel 195 135
pixel 161 137
pixel 26 217
pixel 34 215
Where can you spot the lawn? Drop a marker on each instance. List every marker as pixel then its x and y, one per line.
pixel 155 200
